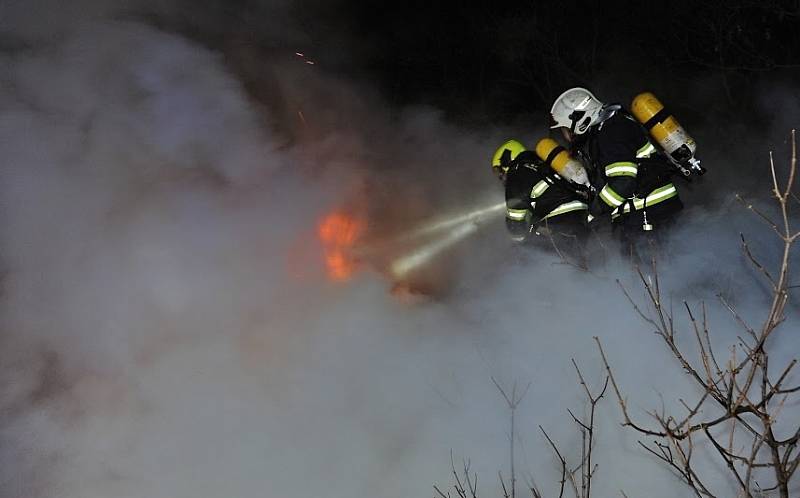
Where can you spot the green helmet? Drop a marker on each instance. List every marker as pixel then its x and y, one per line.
pixel 505 154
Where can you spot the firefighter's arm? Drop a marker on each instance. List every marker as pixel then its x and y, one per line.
pixel 518 218
pixel 620 170
pixel 613 194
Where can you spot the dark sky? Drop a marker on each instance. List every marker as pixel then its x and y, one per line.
pixel 492 60
pixel 495 61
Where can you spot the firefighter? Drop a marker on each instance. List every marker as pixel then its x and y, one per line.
pixel 631 177
pixel 541 206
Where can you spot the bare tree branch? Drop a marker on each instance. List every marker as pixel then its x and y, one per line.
pixel 745 391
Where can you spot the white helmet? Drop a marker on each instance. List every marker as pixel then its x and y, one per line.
pixel 576 109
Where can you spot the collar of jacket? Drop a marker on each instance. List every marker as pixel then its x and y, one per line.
pixel 606 113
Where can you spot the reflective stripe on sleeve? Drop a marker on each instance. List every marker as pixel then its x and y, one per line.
pixel 516 214
pixel 623 168
pixel 539 188
pixel 610 197
pixel 646 151
pixel 567 207
pixel 660 194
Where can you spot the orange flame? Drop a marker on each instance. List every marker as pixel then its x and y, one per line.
pixel 339 233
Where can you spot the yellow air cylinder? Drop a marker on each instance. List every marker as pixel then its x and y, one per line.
pixel 557 157
pixel 663 127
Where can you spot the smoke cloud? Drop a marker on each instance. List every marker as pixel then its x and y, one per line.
pixel 168 327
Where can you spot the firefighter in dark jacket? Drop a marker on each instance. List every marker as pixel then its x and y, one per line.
pixel 632 178
pixel 540 205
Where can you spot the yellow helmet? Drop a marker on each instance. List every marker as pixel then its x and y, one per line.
pixel 505 154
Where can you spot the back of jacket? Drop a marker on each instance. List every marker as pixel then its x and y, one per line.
pixel 534 192
pixel 626 164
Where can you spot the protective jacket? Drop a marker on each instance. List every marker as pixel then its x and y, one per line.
pixel 535 194
pixel 629 174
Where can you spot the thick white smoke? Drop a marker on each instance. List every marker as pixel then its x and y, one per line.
pixel 168 329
